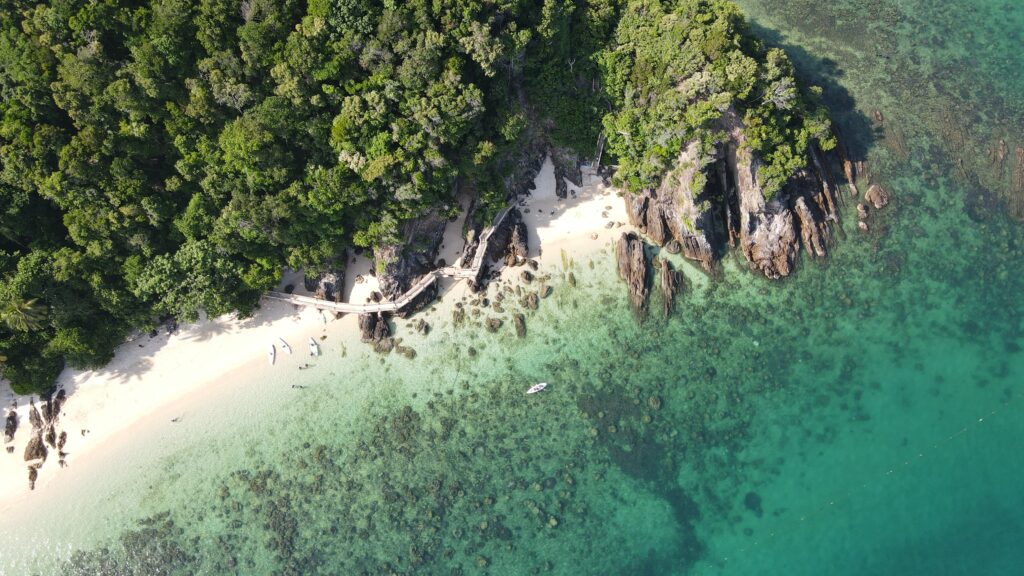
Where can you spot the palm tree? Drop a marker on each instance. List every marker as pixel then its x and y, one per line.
pixel 23 315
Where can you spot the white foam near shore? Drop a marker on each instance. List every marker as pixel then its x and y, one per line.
pixel 151 380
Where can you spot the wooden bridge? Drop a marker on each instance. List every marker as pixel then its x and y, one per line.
pixel 424 282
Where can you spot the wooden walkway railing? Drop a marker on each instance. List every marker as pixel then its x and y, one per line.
pixel 415 290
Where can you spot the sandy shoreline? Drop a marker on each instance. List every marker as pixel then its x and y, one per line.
pixel 151 375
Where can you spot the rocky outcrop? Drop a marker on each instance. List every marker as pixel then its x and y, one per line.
pixel 849 170
pixel 327 285
pixel 767 235
pixel 713 199
pixel 633 268
pixel 567 167
pixel 45 420
pixel 36 449
pixel 11 424
pixel 876 197
pixel 813 232
pixel 34 418
pixel 520 324
pixel 680 212
pixel 373 327
pixel 526 161
pixel 768 241
pixel 399 265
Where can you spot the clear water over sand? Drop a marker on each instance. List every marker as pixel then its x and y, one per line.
pixel 864 417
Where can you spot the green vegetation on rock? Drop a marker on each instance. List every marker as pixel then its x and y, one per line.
pixel 675 68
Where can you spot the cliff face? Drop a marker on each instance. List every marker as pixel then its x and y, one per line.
pixel 679 211
pixel 399 265
pixel 707 203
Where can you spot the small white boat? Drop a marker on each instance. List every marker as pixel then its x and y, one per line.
pixel 314 348
pixel 271 354
pixel 537 388
pixel 284 346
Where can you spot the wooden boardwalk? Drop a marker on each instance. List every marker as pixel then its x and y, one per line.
pixel 426 281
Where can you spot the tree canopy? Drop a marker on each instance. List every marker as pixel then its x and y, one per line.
pixel 166 157
pixel 675 68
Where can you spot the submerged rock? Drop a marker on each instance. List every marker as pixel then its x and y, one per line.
pixel 531 301
pixel 877 195
pixel 520 323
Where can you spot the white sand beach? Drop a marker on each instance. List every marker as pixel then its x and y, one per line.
pixel 153 380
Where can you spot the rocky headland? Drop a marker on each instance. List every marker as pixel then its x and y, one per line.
pixel 709 203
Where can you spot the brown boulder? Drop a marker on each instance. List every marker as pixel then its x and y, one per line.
pixel 520 324
pixel 877 195
pixel 492 324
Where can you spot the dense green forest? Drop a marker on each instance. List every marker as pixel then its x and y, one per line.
pixel 672 72
pixel 164 157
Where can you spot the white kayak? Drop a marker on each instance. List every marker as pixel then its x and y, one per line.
pixel 271 354
pixel 537 388
pixel 314 348
pixel 284 346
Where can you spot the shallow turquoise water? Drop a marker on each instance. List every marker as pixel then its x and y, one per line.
pixel 864 417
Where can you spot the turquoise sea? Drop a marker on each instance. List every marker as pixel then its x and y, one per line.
pixel 863 417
